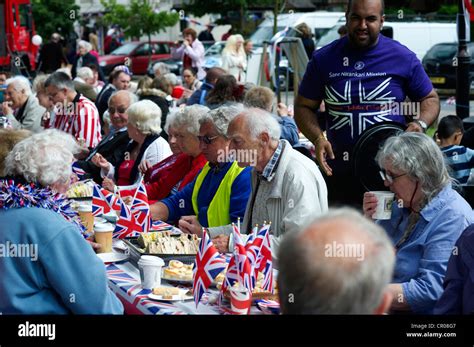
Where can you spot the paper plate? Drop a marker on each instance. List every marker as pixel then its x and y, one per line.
pixel 112 257
pixel 181 297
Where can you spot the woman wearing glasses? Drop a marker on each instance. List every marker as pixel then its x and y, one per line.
pixel 428 217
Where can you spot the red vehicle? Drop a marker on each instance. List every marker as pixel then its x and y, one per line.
pixel 17 29
pixel 135 55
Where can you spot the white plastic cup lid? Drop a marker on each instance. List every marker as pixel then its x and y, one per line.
pixel 103 227
pixel 84 208
pixel 151 260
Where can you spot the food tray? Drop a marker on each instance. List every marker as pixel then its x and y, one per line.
pixel 136 252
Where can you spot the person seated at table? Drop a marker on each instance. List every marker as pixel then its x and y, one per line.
pixel 175 172
pixel 428 216
pixel 458 292
pixel 459 158
pixel 143 127
pixel 225 92
pixel 59 272
pixel 113 146
pixel 219 193
pixel 288 188
pixel 10 137
pixel 262 97
pixel 315 277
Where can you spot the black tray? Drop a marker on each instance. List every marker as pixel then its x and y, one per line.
pixel 136 252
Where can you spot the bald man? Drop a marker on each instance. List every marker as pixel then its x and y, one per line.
pixel 113 146
pixel 340 264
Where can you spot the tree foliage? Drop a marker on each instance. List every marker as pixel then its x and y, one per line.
pixel 52 16
pixel 139 18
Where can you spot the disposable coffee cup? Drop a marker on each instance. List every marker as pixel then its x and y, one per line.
pixel 150 271
pixel 384 205
pixel 103 235
pixel 240 300
pixel 87 219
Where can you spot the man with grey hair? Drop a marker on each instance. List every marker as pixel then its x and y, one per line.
pixel 160 69
pixel 84 83
pixel 219 193
pixel 288 189
pixel 21 107
pixel 341 264
pixel 113 146
pixel 74 113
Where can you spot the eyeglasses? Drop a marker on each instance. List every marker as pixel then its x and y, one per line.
pixel 206 139
pixel 386 177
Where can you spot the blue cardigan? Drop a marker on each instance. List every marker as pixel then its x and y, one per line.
pixel 62 276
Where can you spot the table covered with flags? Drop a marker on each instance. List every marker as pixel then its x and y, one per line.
pixel 124 280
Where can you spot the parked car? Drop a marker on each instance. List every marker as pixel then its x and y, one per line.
pixel 440 65
pixel 135 54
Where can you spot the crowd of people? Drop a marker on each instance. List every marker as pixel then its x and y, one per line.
pixel 214 151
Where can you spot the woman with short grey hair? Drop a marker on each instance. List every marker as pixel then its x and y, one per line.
pixel 427 218
pixel 175 172
pixel 33 210
pixel 146 148
pixel 221 117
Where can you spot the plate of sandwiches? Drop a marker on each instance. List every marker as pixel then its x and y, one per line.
pixel 178 272
pixel 170 294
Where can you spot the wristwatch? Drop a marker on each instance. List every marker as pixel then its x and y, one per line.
pixel 422 124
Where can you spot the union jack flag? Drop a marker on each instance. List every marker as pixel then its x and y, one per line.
pixel 264 260
pixel 99 204
pixel 141 208
pixel 240 269
pixel 80 173
pixel 127 225
pixel 208 265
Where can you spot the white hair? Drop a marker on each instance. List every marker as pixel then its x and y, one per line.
pixel 85 73
pixel 161 67
pixel 20 83
pixel 321 283
pixel 260 121
pixel 171 78
pixel 84 44
pixel 145 115
pixel 221 117
pixel 45 157
pixel 133 98
pixel 190 117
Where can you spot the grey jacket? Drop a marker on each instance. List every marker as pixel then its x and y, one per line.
pixel 31 116
pixel 294 196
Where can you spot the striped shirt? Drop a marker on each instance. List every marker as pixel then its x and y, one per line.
pixel 461 161
pixel 270 168
pixel 81 119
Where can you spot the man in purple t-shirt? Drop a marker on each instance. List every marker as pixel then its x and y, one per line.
pixel 363 79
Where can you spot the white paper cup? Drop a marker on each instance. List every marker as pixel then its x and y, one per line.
pixel 150 271
pixel 103 235
pixel 240 300
pixel 85 213
pixel 384 204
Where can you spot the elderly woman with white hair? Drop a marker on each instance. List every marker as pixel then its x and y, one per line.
pixel 234 59
pixel 175 172
pixel 20 106
pixel 428 216
pixel 57 271
pixel 85 58
pixel 144 119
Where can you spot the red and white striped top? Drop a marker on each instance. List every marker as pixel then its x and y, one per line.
pixel 81 119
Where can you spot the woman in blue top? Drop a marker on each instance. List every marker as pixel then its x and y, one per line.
pixel 47 266
pixel 428 217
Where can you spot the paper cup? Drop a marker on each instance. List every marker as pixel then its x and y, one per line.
pixel 240 300
pixel 87 219
pixel 384 205
pixel 103 235
pixel 150 271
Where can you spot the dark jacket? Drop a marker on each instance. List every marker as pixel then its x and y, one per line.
pixel 112 149
pixel 87 59
pixel 102 101
pixel 199 96
pixel 51 56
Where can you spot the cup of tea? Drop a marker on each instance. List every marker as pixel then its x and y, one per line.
pixel 384 204
pixel 103 236
pixel 150 271
pixel 87 219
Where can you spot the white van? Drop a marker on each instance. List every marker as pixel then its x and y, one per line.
pixel 419 37
pixel 319 22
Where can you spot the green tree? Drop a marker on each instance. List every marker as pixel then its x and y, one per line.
pixel 138 19
pixel 54 16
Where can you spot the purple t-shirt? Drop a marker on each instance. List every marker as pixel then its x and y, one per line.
pixel 363 87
